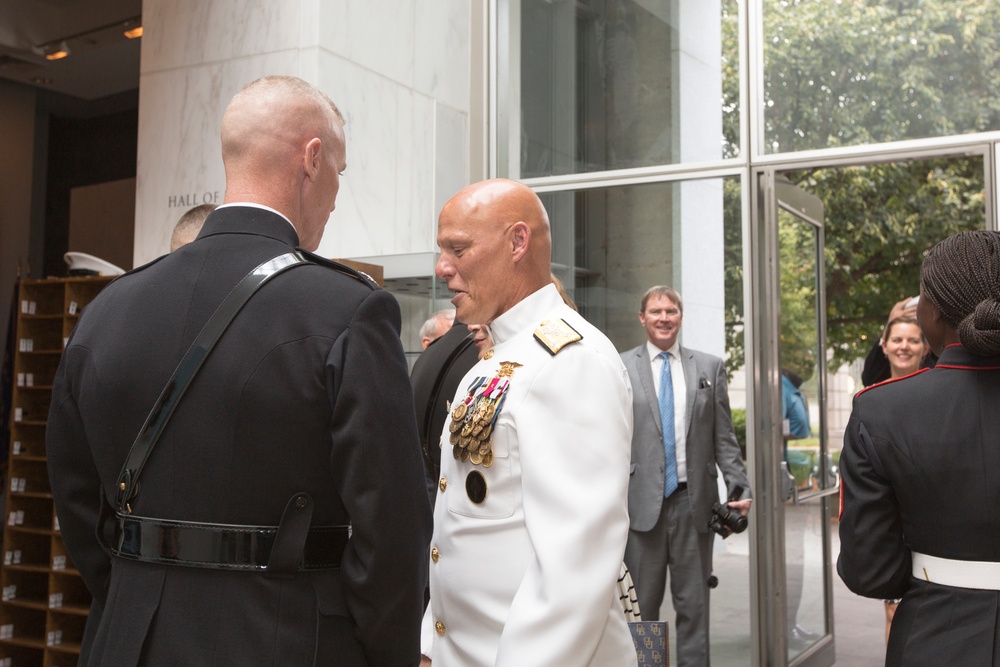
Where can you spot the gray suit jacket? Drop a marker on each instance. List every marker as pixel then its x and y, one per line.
pixel 710 438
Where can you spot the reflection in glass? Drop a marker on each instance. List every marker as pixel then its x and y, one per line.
pixel 869 71
pixel 880 219
pixel 611 84
pixel 611 244
pixel 798 244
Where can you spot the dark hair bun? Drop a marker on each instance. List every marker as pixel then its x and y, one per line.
pixel 980 330
pixel 961 278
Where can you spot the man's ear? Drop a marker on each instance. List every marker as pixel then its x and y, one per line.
pixel 520 239
pixel 311 158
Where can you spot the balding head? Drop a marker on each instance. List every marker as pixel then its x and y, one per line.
pixel 283 146
pixel 495 248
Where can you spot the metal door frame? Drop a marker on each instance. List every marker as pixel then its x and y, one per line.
pixel 767 549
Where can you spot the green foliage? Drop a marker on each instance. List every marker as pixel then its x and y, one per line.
pixel 880 222
pixel 859 72
pixel 740 427
pixel 868 71
pixel 799 301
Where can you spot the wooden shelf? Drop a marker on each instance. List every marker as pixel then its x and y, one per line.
pixel 66 647
pixel 66 570
pixel 74 609
pixel 43 569
pixel 29 548
pixel 28 457
pixel 31 494
pixel 30 529
pixel 28 603
pixel 24 642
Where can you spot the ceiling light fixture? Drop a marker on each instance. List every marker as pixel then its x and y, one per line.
pixel 58 48
pixel 57 52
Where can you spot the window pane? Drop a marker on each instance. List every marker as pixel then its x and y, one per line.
pixel 869 71
pixel 610 245
pixel 612 84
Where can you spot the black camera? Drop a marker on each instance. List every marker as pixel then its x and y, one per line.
pixel 725 520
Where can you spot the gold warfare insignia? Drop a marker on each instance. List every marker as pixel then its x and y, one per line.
pixel 554 335
pixel 473 418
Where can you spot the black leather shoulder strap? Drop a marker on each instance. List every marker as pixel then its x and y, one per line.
pixel 128 480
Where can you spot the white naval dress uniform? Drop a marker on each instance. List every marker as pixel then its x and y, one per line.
pixel 528 575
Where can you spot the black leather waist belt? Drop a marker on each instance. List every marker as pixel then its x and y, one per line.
pixel 220 546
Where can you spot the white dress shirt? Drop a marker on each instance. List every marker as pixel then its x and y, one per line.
pixel 680 400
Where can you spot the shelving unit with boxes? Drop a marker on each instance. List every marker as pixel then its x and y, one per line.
pixel 44 601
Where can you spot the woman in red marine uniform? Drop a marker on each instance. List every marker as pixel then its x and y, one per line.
pixel 920 493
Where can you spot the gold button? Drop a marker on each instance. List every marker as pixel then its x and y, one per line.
pixel 435 554
pixel 443 484
pixel 488 355
pixel 439 626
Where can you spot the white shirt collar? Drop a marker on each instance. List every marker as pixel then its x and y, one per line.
pixel 674 350
pixel 266 208
pixel 527 312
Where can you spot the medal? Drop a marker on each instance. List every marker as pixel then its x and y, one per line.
pixel 473 418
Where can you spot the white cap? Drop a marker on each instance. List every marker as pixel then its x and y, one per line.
pixel 81 261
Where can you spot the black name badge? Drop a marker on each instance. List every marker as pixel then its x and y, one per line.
pixel 475 487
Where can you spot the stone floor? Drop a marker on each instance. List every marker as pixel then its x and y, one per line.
pixel 859 623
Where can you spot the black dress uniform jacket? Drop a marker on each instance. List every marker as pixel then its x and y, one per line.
pixel 921 473
pixel 435 378
pixel 306 391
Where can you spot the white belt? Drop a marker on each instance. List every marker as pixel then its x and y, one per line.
pixel 984 575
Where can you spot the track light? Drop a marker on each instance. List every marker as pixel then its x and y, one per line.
pixel 57 51
pixel 133 28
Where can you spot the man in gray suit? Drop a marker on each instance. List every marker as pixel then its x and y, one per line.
pixel 673 481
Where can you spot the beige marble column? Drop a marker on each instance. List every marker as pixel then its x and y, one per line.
pixel 398 69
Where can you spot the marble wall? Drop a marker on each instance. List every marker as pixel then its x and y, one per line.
pixel 398 69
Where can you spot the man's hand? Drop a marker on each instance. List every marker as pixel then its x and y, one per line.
pixel 741 506
pixel 425 661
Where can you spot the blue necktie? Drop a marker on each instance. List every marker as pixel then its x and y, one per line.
pixel 666 400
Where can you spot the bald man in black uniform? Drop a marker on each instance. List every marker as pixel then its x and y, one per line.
pixel 304 406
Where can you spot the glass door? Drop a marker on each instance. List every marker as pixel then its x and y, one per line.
pixel 807 477
pixel 838 251
pixel 794 480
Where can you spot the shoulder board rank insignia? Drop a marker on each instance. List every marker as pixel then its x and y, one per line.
pixel 554 335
